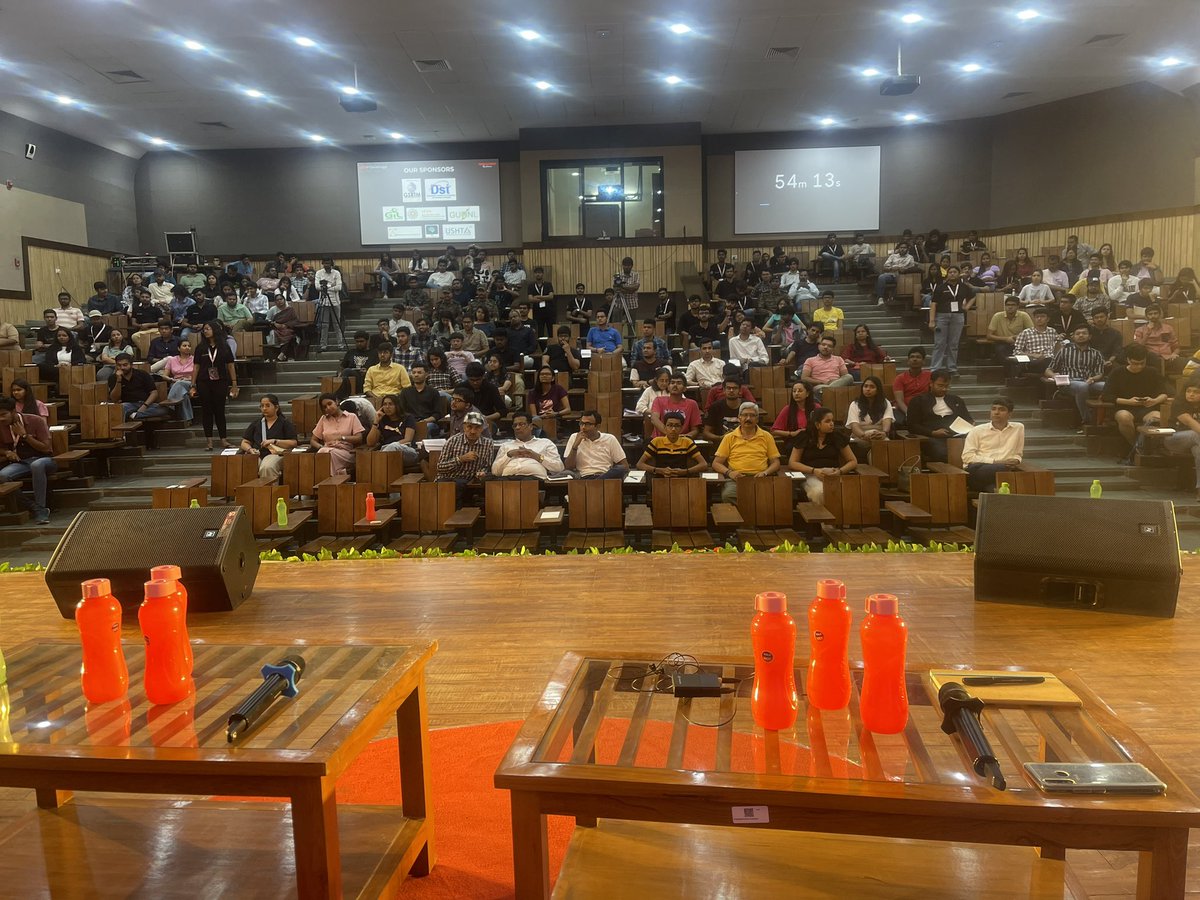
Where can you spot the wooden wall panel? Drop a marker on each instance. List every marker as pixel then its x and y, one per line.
pixel 596 265
pixel 78 272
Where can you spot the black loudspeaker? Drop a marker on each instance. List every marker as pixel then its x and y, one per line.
pixel 212 545
pixel 1075 553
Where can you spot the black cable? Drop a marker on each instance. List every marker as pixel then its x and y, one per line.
pixel 663 670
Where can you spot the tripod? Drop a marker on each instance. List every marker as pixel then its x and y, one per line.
pixel 329 314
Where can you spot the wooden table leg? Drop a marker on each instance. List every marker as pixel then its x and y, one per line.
pixel 1162 872
pixel 531 854
pixel 315 832
pixel 412 737
pixel 49 798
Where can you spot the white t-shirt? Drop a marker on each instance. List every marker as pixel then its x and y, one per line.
pixel 941 407
pixel 1035 294
pixel 853 416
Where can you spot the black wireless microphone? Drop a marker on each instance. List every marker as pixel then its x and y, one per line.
pixel 960 713
pixel 280 679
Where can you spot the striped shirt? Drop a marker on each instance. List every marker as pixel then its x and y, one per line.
pixel 1031 342
pixel 680 455
pixel 456 446
pixel 1078 363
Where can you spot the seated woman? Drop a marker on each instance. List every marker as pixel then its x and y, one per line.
pixel 662 378
pixel 510 384
pixel 870 417
pixel 27 404
pixel 337 433
pixel 1017 272
pixel 793 418
pixel 284 323
pixel 862 349
pixel 180 373
pixel 108 355
pixel 1183 289
pixel 548 398
pixel 819 451
pixel 929 284
pixel 984 275
pixel 439 374
pixel 394 432
pixel 780 329
pixel 64 352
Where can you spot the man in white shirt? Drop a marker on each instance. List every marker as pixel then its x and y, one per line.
pixel 748 348
pixel 526 456
pixel 707 370
pixel 160 289
pixel 1123 283
pixel 514 275
pixel 898 261
pixel 1055 277
pixel 1036 293
pixel 397 321
pixel 328 281
pixel 593 453
pixel 68 316
pixel 997 446
pixel 442 277
pixel 794 282
pixel 860 256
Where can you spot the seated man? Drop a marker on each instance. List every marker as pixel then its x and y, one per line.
pixel 1185 419
pixel 134 389
pixel 897 262
pixel 805 345
pixel 649 338
pixel 675 400
pixel 747 347
pixel 1083 366
pixel 467 456
pixel 592 453
pixel 707 370
pixel 25 445
pixel 1158 337
pixel 1137 390
pixel 1039 343
pixel 234 314
pixel 603 338
pixel 271 436
pixel 526 456
pixel 462 404
pixel 746 452
pixel 487 396
pixel 910 384
pixel 717 391
pixel 1066 318
pixel 385 377
pixel 825 370
pixel 995 447
pixel 354 365
pixel 103 302
pixel 724 416
pixel 827 315
pixel 1105 339
pixel 1006 325
pixel 930 416
pixel 43 337
pixel 561 355
pixel 644 368
pixel 672 454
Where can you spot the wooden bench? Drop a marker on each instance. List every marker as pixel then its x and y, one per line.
pixel 302 472
pixel 180 495
pixel 428 518
pixel 305 413
pixel 227 473
pixel 341 505
pixel 595 514
pixel 511 515
pixel 938 509
pixel 260 498
pixel 767 507
pixel 850 509
pixel 379 470
pixel 679 513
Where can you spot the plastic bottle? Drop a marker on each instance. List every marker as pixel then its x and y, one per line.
pixel 104 675
pixel 829 617
pixel 172 573
pixel 1096 490
pixel 3 669
pixel 195 504
pixel 1004 488
pixel 370 517
pixel 884 702
pixel 774 701
pixel 168 676
pixel 281 512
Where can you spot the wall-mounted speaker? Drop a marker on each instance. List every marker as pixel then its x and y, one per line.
pixel 30 151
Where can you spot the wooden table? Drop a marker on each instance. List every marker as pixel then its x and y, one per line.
pixel 587 751
pixel 348 693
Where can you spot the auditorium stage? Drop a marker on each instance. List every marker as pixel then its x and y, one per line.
pixel 503 624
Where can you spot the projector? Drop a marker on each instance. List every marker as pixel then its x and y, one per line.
pixel 357 103
pixel 898 85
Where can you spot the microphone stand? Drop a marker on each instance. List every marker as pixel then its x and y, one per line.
pixel 960 713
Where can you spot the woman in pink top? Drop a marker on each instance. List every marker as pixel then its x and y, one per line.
pixel 179 372
pixel 337 433
pixel 26 402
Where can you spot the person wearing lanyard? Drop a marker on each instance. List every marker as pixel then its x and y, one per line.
pixel 216 379
pixel 947 316
pixel 541 295
pixel 579 309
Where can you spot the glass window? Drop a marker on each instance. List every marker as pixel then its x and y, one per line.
pixel 602 198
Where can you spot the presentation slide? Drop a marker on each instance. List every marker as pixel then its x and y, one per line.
pixel 439 202
pixel 816 190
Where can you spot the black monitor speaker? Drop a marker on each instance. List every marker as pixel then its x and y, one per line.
pixel 1078 553
pixel 212 545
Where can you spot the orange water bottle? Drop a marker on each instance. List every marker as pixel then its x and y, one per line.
pixel 371 507
pixel 168 676
pixel 828 685
pixel 172 573
pixel 774 701
pixel 884 702
pixel 103 674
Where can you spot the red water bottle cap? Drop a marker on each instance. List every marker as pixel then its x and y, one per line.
pixel 883 604
pixel 165 573
pixel 831 589
pixel 771 602
pixel 96 587
pixel 160 588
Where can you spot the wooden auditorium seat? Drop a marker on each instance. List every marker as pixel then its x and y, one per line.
pixel 850 510
pixel 768 509
pixel 595 514
pixel 428 519
pixel 511 515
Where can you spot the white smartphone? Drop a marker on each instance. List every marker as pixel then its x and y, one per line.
pixel 1094 778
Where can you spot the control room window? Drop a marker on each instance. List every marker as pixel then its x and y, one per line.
pixel 602 198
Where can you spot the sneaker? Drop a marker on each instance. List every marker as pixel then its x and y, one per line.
pixel 41 516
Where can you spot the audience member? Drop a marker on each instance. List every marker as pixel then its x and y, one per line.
pixel 932 415
pixel 863 349
pixel 526 456
pixel 22 393
pixel 897 262
pixel 746 452
pixel 134 389
pixel 1105 339
pixel 1006 325
pixel 794 416
pixel 1137 390
pixel 215 381
pixel 602 337
pixel 592 453
pixel 910 383
pixel 426 404
pixel 676 401
pixel 748 348
pixel 1158 337
pixel 271 436
pixel 1083 368
pixel 1035 293
pixel 579 307
pixel 805 345
pixel 833 253
pixel 820 451
pixel 25 445
pixel 393 431
pixel 337 433
pixel 825 370
pixel 828 315
pixel 1065 319
pixel 487 397
pixel 723 416
pixel 996 446
pixel 1038 343
pixel 1124 283
pixel 65 352
pixel 107 357
pixel 354 365
pixel 870 416
pixel 385 377
pixel 67 316
pixel 657 388
pixel 707 369
pixel 547 399
pixel 1185 419
pixel 860 255
pixel 672 454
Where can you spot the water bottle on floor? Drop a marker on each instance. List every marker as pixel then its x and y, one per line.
pixel 1096 490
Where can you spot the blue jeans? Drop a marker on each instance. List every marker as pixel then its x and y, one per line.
pixel 39 468
pixel 385 283
pixel 131 410
pixel 1181 443
pixel 883 281
pixel 836 263
pixel 946 335
pixel 614 472
pixel 179 391
pixel 1080 392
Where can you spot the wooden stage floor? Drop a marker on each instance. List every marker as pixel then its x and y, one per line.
pixel 503 624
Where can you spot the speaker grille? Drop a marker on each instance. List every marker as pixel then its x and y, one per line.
pixel 138 537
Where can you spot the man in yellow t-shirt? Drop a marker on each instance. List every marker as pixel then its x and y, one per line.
pixel 386 377
pixel 746 452
pixel 827 314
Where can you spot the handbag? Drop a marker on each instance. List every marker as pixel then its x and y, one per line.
pixel 905 470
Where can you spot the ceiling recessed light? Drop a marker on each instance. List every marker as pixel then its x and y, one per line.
pixel 349 90
pixel 317 138
pixel 65 100
pixel 972 67
pixel 869 72
pixel 253 92
pixel 911 18
pixel 680 28
pixel 828 121
pixel 910 117
pixel 672 79
pixel 529 34
pixel 157 141
pixel 1026 14
pixel 1169 61
pixel 542 85
pixel 193 45
pixel 305 41
pixel 395 135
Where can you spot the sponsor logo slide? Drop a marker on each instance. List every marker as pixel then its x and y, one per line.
pixel 404 232
pixel 458 232
pixel 462 214
pixel 433 231
pixel 441 189
pixel 393 214
pixel 410 190
pixel 427 214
